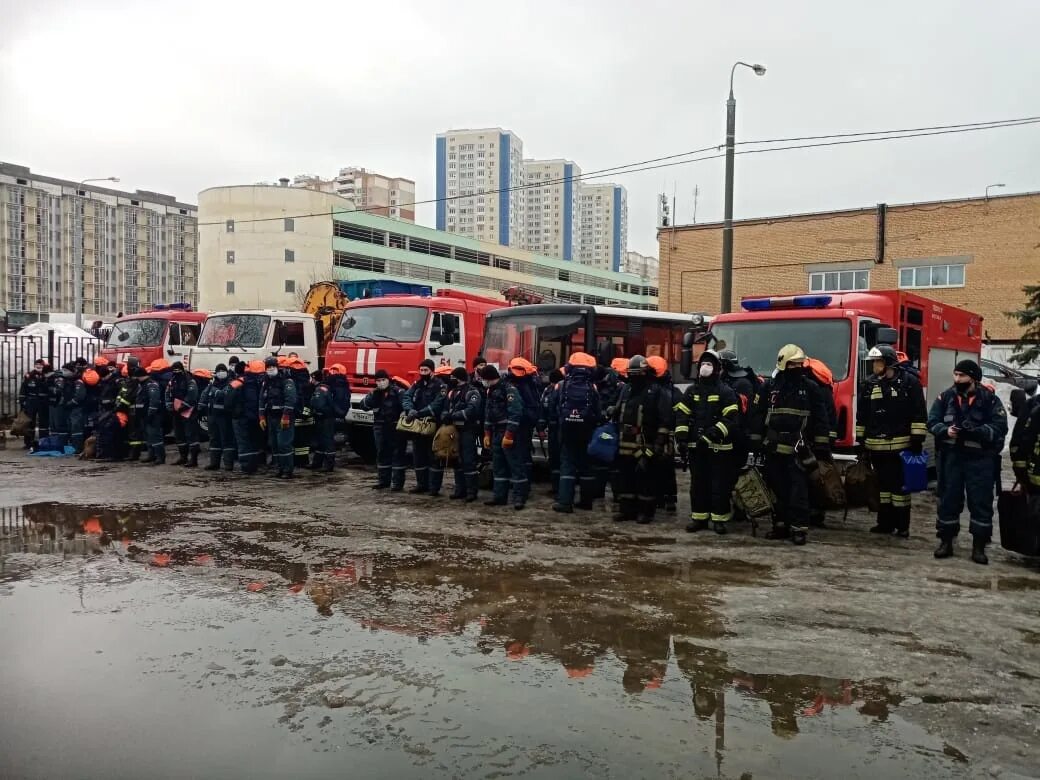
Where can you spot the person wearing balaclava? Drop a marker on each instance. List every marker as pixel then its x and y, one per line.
pixel 424 400
pixel 386 405
pixel 969 424
pixel 706 425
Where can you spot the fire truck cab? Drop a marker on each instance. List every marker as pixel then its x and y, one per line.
pixel 840 328
pixel 397 332
pixel 165 331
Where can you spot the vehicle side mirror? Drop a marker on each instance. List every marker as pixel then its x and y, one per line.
pixel 123 335
pixel 887 336
pixel 686 356
pixel 170 351
pixel 605 354
pixel 447 338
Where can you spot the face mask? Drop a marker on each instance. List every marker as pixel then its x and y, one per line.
pixel 222 375
pixel 38 369
pixel 382 384
pixel 963 387
pixel 706 370
pixel 272 372
pixel 425 374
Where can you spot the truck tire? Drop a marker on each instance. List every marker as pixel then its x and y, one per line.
pixel 362 442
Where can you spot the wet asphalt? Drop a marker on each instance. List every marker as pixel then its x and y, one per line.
pixel 180 623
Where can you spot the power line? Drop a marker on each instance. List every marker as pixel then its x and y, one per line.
pixel 669 161
pixel 997 122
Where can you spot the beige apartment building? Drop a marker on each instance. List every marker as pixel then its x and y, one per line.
pixel 643 266
pixel 551 207
pixel 602 226
pixel 131 249
pixel 385 196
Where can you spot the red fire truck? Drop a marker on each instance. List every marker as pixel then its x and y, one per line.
pixel 395 333
pixel 840 328
pixel 165 331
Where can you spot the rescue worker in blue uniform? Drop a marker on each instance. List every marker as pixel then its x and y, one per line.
pixel 423 400
pixel 243 400
pixel 213 403
pixel 891 417
pixel 386 402
pixel 303 420
pixel 182 399
pixel 83 407
pixel 330 401
pixel 969 424
pixel 59 389
pixel 524 378
pixel 789 417
pixel 33 399
pixel 503 423
pixel 278 407
pixel 610 386
pixel 666 487
pixel 151 406
pixel 108 387
pixel 578 413
pixel 637 416
pixel 549 426
pixel 707 422
pixel 464 408
pixel 125 397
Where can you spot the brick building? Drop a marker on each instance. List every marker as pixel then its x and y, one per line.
pixel 975 253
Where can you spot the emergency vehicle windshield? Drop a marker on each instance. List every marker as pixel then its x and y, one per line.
pixel 137 333
pixel 383 323
pixel 534 336
pixel 235 330
pixel 756 342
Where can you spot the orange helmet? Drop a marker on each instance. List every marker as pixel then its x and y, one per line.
pixel 90 377
pixel 519 366
pixel 443 371
pixel 202 373
pixel 255 367
pixel 902 357
pixel 658 365
pixel 124 371
pixel 283 361
pixel 337 368
pixel 581 360
pixel 296 364
pixel 158 366
pixel 101 360
pixel 820 370
pixel 620 365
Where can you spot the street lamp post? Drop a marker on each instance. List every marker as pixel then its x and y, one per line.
pixel 78 288
pixel 727 226
pixel 991 186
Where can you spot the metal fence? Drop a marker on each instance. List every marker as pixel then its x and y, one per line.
pixel 19 353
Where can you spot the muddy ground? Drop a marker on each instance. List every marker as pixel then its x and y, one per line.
pixel 187 624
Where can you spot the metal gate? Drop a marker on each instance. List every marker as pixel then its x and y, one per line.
pixel 18 353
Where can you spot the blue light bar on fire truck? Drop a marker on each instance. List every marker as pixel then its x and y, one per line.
pixel 787 302
pixel 172 307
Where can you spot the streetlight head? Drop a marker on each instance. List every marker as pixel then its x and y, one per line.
pixel 996 185
pixel 760 70
pixel 113 178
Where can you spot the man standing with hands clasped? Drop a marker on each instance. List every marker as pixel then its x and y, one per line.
pixel 969 424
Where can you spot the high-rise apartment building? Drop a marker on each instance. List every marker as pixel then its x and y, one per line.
pixel 643 266
pixel 551 207
pixel 603 225
pixel 130 249
pixel 386 196
pixel 479 185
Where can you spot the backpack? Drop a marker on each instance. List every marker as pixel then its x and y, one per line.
pixel 752 495
pixel 576 400
pixel 446 443
pixel 603 446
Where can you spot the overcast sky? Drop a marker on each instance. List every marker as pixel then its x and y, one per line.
pixel 180 96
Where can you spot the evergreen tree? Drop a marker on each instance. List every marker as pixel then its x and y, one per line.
pixel 1028 347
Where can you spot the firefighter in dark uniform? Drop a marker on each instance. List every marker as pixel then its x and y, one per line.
pixel 150 405
pixel 303 420
pixel 424 399
pixel 549 426
pixel 33 398
pixel 820 375
pixel 707 422
pixel 638 426
pixel 788 416
pixel 386 403
pixel 578 411
pixel 333 405
pixel 58 386
pixel 129 388
pixel 891 417
pixel 243 399
pixel 277 415
pixel 213 404
pixel 83 407
pixel 503 421
pixel 108 387
pixel 969 424
pixel 182 400
pixel 610 382
pixel 1025 446
pixel 464 408
pixel 666 488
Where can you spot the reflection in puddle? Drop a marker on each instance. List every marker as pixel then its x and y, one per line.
pixel 634 642
pixel 996 583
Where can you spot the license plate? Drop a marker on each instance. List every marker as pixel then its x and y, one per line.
pixel 360 416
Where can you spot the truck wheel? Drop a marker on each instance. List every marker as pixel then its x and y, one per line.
pixel 362 442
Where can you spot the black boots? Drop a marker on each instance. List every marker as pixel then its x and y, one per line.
pixel 945 549
pixel 193 459
pixel 978 552
pixel 182 457
pixel 694 526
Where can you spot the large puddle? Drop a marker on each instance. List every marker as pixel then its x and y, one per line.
pixel 237 644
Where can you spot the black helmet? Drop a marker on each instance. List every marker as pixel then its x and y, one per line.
pixel 884 352
pixel 728 358
pixel 637 366
pixel 271 362
pixel 132 362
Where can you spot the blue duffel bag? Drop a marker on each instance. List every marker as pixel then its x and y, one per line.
pixel 603 446
pixel 915 471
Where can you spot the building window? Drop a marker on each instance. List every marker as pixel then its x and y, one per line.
pixel 290 255
pixel 231 257
pixel 839 281
pixel 945 275
pixel 229 288
pixel 229 226
pixel 290 285
pixel 290 225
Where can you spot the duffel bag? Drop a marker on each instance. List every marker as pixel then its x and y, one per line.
pixel 420 426
pixel 861 486
pixel 21 425
pixel 915 471
pixel 825 486
pixel 1019 515
pixel 752 495
pixel 446 442
pixel 603 446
